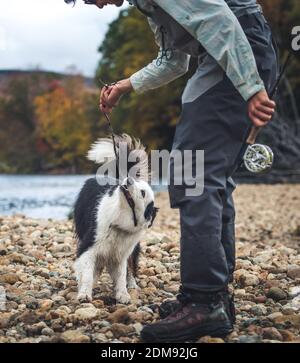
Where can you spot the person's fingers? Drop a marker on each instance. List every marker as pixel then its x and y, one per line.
pixel 261 115
pixel 257 121
pixel 105 106
pixel 105 109
pixel 102 95
pixel 113 96
pixel 268 103
pixel 267 110
pixel 102 108
pixel 109 97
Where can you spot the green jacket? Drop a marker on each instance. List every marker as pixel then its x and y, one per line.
pixel 216 27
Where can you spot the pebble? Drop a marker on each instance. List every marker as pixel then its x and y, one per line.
pixel 88 313
pixel 294 291
pixel 74 336
pixel 46 305
pixel 258 310
pixel 293 319
pixel 250 339
pixel 138 328
pixel 287 335
pixel 47 331
pixel 294 273
pixel 120 316
pixel 274 316
pixel 272 334
pixel 36 260
pixel 276 294
pixel 245 278
pixel 121 330
pixel 208 339
pixel 100 338
pixel 9 278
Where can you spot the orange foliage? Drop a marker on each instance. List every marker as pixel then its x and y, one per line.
pixel 62 126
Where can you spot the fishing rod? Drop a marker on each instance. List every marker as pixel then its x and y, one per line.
pixel 259 158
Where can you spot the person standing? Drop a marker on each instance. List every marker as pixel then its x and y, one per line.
pixel 226 96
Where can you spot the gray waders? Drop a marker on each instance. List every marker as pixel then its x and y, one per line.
pixel 215 119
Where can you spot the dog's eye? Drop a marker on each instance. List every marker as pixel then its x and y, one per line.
pixel 143 193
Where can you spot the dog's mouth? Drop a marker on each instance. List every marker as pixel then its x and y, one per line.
pixel 130 201
pixel 151 213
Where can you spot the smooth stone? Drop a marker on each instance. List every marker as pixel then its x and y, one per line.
pixel 276 294
pixel 121 330
pixel 9 278
pixel 250 339
pixel 258 310
pixel 294 273
pixel 89 313
pixel 294 291
pixel 48 332
pixel 272 334
pixel 74 336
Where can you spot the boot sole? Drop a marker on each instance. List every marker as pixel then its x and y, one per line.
pixel 220 331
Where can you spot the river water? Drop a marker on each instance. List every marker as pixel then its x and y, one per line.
pixel 39 196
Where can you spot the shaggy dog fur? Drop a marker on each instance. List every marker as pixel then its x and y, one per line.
pixel 104 224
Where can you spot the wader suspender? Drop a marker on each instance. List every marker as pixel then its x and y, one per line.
pixel 166 53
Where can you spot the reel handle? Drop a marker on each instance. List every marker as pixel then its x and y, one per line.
pixel 253 135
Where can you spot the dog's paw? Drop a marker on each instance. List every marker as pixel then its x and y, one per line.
pixel 133 285
pixel 84 298
pixel 123 298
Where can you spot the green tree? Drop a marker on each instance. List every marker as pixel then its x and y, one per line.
pixel 17 126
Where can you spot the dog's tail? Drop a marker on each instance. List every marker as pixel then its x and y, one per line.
pixel 102 151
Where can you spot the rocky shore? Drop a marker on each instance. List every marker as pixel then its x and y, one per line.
pixel 36 258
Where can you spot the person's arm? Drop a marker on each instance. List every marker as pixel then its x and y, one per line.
pixel 216 27
pixel 150 77
pixel 153 76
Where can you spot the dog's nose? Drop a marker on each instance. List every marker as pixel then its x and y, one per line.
pixel 149 211
pixel 129 181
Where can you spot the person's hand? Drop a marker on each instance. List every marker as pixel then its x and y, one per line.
pixel 261 109
pixel 110 96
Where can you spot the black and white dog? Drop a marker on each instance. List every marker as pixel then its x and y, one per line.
pixel 110 220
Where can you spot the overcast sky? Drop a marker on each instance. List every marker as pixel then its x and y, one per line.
pixel 51 34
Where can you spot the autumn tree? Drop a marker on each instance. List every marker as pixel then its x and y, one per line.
pixel 63 128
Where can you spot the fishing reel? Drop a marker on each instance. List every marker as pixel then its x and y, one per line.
pixel 258 158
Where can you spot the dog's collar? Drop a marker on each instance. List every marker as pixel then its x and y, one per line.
pixel 130 202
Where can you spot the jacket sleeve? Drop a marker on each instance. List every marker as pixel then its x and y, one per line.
pixel 153 76
pixel 216 27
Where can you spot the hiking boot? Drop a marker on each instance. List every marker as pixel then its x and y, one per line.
pixel 191 321
pixel 170 306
